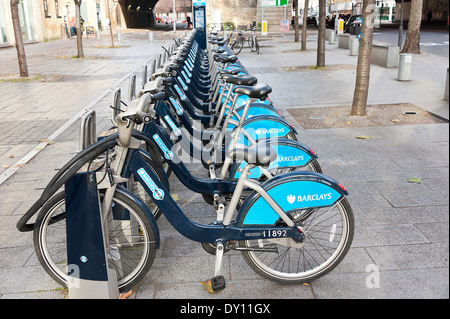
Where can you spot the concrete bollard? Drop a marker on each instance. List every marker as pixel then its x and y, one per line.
pixel 332 36
pixel 150 36
pixel 327 34
pixel 354 46
pixel 404 67
pixel 446 88
pixel 119 35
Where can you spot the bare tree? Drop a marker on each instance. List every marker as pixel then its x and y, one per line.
pixel 304 24
pixel 361 93
pixel 295 6
pixel 110 25
pixel 21 57
pixel 321 38
pixel 78 28
pixel 412 42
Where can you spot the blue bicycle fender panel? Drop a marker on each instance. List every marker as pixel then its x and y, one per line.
pixel 242 100
pixel 264 128
pixel 254 111
pixel 297 194
pixel 287 156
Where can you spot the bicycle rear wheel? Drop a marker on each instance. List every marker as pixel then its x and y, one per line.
pixel 237 46
pixel 252 43
pixel 329 234
pixel 132 238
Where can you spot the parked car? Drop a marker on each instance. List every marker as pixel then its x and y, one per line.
pixel 352 22
pixel 312 20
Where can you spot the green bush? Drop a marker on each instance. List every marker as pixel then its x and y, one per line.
pixel 228 26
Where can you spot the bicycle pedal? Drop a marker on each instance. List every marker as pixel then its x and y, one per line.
pixel 218 283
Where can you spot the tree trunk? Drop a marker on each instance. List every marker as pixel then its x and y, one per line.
pixel 363 69
pixel 78 28
pixel 321 38
pixel 296 35
pixel 304 21
pixel 110 25
pixel 21 57
pixel 412 42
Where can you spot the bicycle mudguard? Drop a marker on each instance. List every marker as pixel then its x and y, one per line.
pixel 290 154
pixel 254 110
pixel 138 201
pixel 291 191
pixel 263 127
pixel 242 100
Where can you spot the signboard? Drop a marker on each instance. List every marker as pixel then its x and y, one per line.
pixel 90 29
pixel 274 3
pixel 264 28
pixel 199 19
pixel 340 26
pixel 284 26
pixel 199 11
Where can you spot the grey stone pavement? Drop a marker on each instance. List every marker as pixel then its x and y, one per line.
pixel 401 235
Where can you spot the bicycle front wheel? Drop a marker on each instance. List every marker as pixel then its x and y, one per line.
pixel 329 234
pixel 131 238
pixel 237 47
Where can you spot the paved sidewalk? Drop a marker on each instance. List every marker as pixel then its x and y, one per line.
pixel 401 234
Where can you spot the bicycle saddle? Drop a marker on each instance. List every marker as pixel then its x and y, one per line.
pixel 225 59
pixel 229 71
pixel 259 154
pixel 258 92
pixel 219 43
pixel 242 79
pixel 218 50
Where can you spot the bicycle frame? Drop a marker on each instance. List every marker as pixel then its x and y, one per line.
pixel 301 155
pixel 205 233
pixel 130 161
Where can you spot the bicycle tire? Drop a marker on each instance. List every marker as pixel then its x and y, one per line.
pixel 257 45
pixel 320 254
pixel 252 43
pixel 237 46
pixel 50 243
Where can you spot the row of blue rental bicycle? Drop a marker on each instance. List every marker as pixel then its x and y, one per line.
pixel 291 223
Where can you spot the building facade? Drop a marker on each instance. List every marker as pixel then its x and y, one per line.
pixel 45 20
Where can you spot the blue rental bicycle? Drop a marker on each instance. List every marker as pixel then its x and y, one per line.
pixel 293 228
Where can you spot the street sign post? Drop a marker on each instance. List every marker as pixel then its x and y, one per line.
pixel 271 3
pixel 274 3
